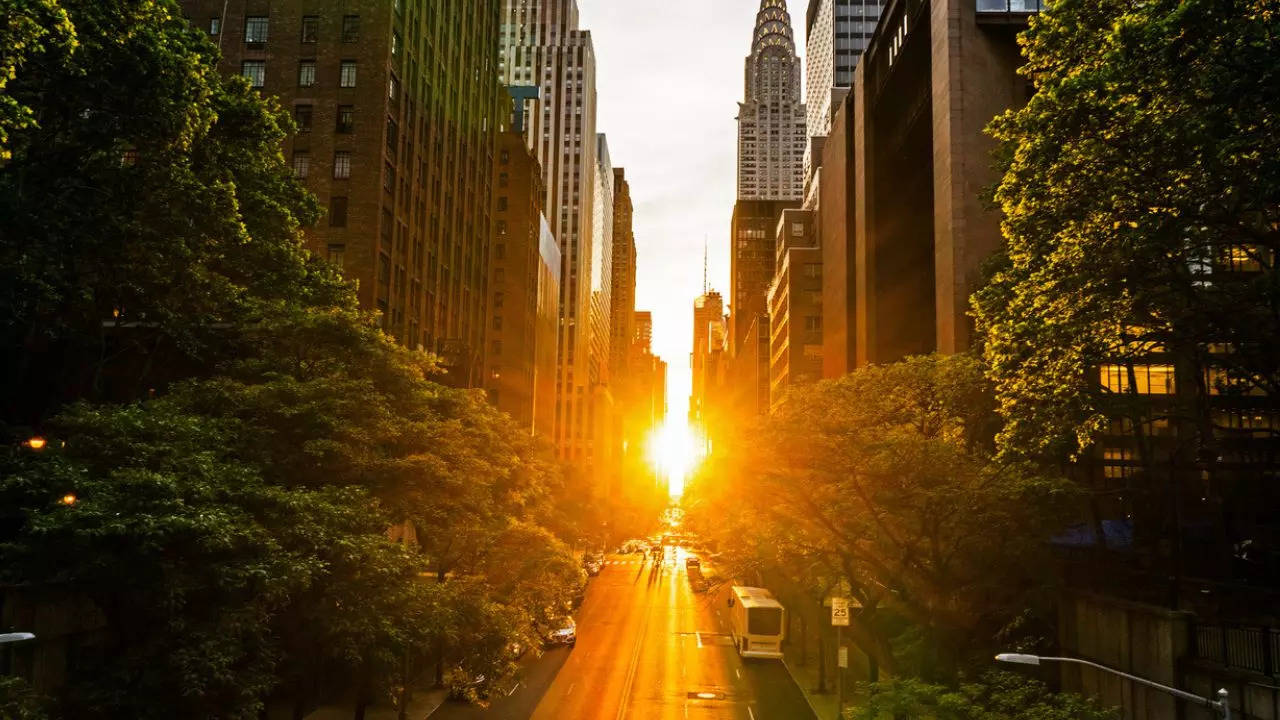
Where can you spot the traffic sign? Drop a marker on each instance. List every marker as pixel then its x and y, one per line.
pixel 840 611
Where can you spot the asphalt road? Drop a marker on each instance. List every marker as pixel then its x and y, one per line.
pixel 649 648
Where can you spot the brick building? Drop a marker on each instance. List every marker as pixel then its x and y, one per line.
pixel 795 305
pixel 396 111
pixel 524 282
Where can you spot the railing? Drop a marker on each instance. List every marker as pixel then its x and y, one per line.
pixel 1009 6
pixel 1239 647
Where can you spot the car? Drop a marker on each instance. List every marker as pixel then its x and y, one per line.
pixel 464 687
pixel 692 564
pixel 592 568
pixel 567 634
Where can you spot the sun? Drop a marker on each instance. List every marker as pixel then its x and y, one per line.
pixel 674 452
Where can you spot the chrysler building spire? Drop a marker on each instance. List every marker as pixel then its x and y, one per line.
pixel 771 117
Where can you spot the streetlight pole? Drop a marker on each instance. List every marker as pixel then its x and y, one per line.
pixel 1220 705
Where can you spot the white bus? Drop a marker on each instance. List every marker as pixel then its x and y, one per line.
pixel 758 622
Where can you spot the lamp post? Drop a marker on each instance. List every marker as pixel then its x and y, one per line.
pixel 1220 705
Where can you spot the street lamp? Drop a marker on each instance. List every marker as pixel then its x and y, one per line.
pixel 1221 705
pixel 15 637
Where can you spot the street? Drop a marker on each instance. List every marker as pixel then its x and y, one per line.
pixel 648 648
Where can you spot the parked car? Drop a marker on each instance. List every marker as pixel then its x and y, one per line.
pixel 567 634
pixel 592 567
pixel 693 564
pixel 465 687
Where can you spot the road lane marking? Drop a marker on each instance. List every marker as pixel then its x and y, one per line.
pixel 571 687
pixel 749 712
pixel 513 690
pixel 738 672
pixel 635 661
pixel 699 636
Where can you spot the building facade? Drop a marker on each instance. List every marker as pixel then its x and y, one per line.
pixel 622 310
pixel 933 76
pixel 771 116
pixel 396 111
pixel 795 305
pixel 542 45
pixel 708 343
pixel 836 33
pixel 524 281
pixel 751 261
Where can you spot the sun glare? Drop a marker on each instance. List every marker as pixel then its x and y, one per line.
pixel 675 451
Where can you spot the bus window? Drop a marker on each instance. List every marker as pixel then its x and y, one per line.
pixel 764 621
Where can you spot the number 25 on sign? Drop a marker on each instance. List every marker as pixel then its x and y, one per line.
pixel 840 611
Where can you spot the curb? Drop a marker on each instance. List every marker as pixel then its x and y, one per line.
pixel 807 699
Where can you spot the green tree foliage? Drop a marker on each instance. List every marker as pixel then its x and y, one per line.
pixel 149 207
pixel 34 32
pixel 289 505
pixel 995 696
pixel 1141 199
pixel 885 480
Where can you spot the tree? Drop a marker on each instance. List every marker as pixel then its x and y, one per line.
pixel 34 31
pixel 1141 202
pixel 885 479
pixel 994 696
pixel 147 210
pixel 186 553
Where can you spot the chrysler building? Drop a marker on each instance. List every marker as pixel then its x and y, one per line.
pixel 771 117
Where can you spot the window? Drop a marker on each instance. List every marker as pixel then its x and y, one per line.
pixel 502 203
pixel 256 71
pixel 502 180
pixel 497 347
pixel 1151 379
pixel 500 251
pixel 350 28
pixel 497 301
pixel 302 116
pixel 497 322
pixel 255 29
pixel 347 76
pixel 813 270
pixel 310 28
pixel 346 118
pixel 389 178
pixel 393 88
pixel 764 621
pixel 215 26
pixel 338 255
pixel 813 322
pixel 396 45
pixel 301 163
pixel 342 165
pixel 307 73
pixel 338 211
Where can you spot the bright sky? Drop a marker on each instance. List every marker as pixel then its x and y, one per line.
pixel 669 77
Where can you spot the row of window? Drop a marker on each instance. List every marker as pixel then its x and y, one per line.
pixel 345 123
pixel 256 27
pixel 256 72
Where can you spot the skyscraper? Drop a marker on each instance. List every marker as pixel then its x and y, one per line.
pixel 542 45
pixel 622 325
pixel 836 33
pixel 771 142
pixel 401 158
pixel 771 117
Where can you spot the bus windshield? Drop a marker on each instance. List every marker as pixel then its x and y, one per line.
pixel 764 621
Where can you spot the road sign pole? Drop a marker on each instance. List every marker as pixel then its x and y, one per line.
pixel 843 657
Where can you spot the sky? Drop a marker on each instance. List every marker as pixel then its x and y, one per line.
pixel 669 77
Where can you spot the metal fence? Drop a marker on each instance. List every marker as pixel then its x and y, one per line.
pixel 1239 647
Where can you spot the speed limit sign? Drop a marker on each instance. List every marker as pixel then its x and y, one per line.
pixel 840 611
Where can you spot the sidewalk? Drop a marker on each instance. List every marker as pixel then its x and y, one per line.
pixel 424 703
pixel 806 677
